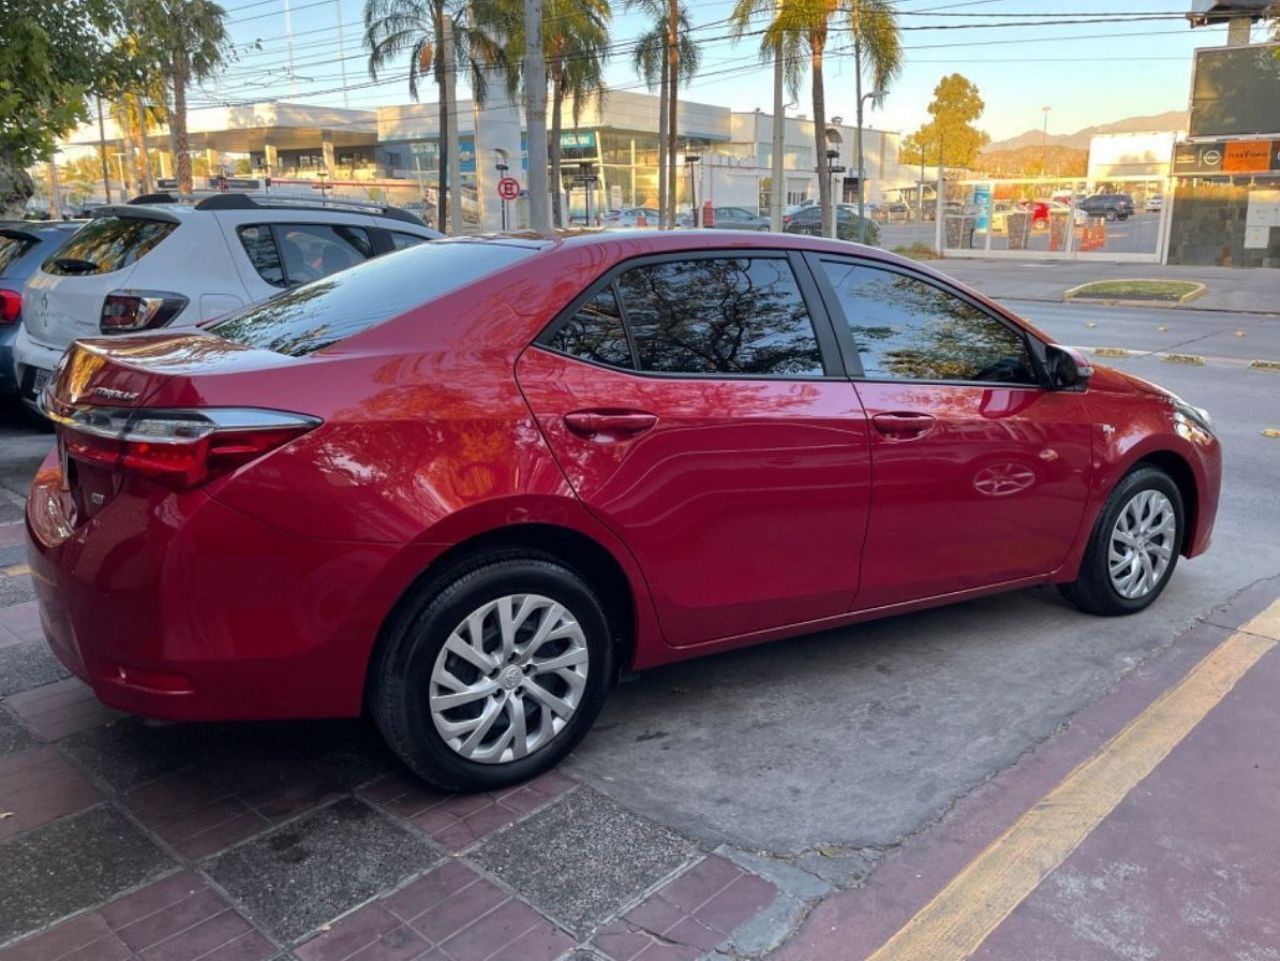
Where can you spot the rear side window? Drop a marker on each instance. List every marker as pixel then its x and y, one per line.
pixel 13 246
pixel 595 333
pixel 106 244
pixel 327 311
pixel 722 315
pixel 286 255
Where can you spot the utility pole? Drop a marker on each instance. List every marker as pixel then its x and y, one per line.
pixel 535 112
pixel 342 54
pixel 777 195
pixel 673 72
pixel 102 152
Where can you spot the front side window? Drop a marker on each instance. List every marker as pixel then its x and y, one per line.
pixel 721 315
pixel 107 244
pixel 400 240
pixel 907 329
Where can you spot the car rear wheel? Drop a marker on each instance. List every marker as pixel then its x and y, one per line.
pixel 1134 547
pixel 492 673
pixel 1111 214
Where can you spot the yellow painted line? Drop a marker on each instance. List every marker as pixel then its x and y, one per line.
pixel 955 923
pixel 1265 364
pixel 15 570
pixel 1195 360
pixel 1271 432
pixel 1110 352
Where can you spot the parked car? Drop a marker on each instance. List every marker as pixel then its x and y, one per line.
pixel 632 217
pixel 388 491
pixel 141 266
pixel 1155 204
pixel 1110 206
pixel 23 246
pixel 729 218
pixel 808 220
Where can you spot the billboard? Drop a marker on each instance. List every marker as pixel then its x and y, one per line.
pixel 1236 91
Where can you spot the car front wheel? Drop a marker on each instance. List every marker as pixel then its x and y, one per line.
pixel 492 674
pixel 1134 547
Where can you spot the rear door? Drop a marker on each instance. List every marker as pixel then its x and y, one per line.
pixel 697 405
pixel 981 474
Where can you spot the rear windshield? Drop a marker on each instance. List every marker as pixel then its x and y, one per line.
pixel 105 244
pixel 321 313
pixel 12 246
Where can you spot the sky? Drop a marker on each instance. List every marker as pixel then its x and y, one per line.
pixel 1086 73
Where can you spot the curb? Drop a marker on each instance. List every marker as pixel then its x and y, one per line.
pixel 1028 299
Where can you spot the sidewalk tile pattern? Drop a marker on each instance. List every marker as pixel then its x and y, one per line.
pixel 450 913
pixel 687 916
pixel 177 919
pixel 455 822
pixel 299 876
pixel 57 710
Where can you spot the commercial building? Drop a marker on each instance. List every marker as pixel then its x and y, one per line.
pixel 391 153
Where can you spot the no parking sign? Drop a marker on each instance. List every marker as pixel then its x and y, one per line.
pixel 508 188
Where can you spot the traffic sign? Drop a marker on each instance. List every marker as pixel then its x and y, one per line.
pixel 508 188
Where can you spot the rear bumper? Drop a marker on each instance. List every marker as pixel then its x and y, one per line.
pixel 183 609
pixel 28 357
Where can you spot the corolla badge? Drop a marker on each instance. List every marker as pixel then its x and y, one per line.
pixel 115 393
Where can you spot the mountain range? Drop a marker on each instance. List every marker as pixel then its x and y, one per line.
pixel 1169 120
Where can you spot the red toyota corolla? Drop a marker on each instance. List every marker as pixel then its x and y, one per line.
pixel 465 485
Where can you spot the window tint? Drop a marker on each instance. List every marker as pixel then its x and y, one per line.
pixel 12 246
pixel 261 248
pixel 323 313
pixel 312 251
pixel 400 240
pixel 906 329
pixel 730 315
pixel 595 333
pixel 105 244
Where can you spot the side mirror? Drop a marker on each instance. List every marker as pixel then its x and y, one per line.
pixel 1068 369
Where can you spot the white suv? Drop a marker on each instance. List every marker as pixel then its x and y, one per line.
pixel 145 264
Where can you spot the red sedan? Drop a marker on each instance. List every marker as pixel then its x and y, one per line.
pixel 464 485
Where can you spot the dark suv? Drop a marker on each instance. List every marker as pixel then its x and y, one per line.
pixel 1111 206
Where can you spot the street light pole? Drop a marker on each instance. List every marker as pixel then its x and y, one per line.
pixel 690 159
pixel 862 168
pixel 1044 142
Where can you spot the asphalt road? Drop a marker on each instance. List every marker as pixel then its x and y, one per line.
pixel 1137 235
pixel 835 747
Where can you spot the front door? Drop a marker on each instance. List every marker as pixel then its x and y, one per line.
pixel 691 406
pixel 981 474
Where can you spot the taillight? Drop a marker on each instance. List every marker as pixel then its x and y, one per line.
pixel 10 306
pixel 180 448
pixel 129 310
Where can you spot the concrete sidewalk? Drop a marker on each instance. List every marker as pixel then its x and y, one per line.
pixel 1180 863
pixel 1226 288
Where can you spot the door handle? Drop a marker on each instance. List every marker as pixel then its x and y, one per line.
pixel 903 425
pixel 609 424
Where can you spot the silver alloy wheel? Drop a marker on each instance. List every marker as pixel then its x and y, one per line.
pixel 509 678
pixel 1141 544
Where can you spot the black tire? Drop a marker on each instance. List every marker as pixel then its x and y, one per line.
pixel 401 668
pixel 1111 214
pixel 1092 591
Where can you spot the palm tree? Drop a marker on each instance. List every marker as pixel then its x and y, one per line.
pixel 784 54
pixel 877 46
pixel 577 49
pixel 188 41
pixel 653 59
pixel 575 41
pixel 809 21
pixel 436 37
